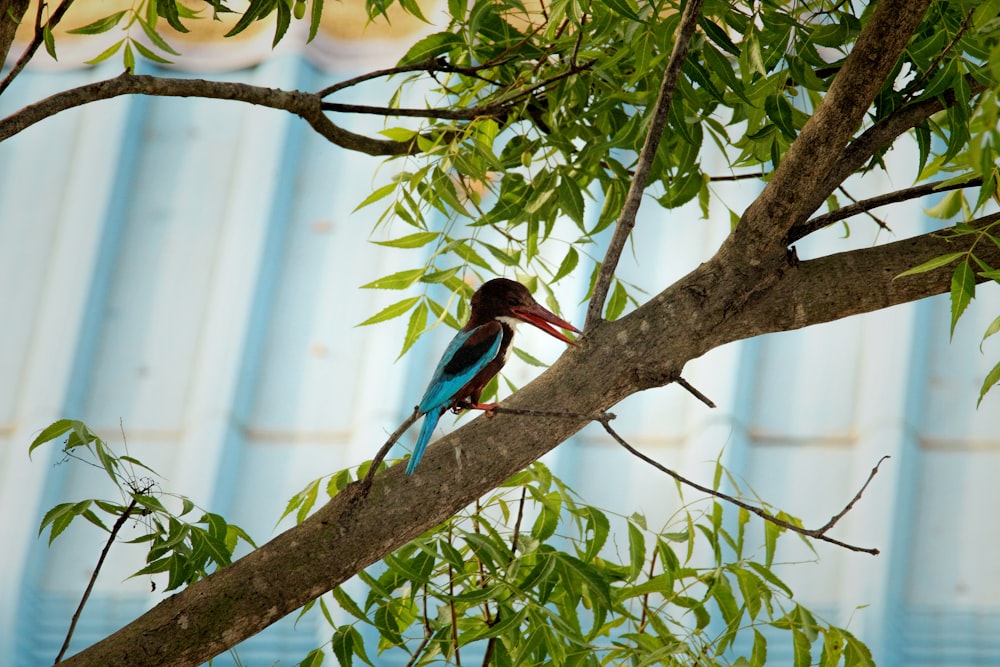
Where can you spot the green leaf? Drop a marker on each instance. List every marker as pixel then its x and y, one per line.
pixel 106 53
pixel 156 38
pixel 431 47
pixel 389 312
pixel 284 20
pixel 348 604
pixel 415 327
pixel 567 265
pixel 636 550
pixel 417 240
pixel 380 193
pixel 624 7
pixel 128 58
pixel 315 16
pixel 313 659
pixel 100 25
pixel 397 281
pixel 168 10
pixel 343 646
pixel 60 516
pixel 930 265
pixel 528 359
pixel 149 54
pixel 990 330
pixel 51 432
pixel 963 289
pixel 992 378
pixel 802 649
pixel 758 655
pixel 617 302
pixel 49 41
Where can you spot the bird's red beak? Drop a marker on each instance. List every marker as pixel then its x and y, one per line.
pixel 541 318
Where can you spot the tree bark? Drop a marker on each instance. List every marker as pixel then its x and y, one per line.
pixel 752 286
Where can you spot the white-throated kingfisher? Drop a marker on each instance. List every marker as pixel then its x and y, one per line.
pixel 479 351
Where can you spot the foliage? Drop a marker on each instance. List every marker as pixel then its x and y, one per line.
pixel 535 115
pixel 532 575
pixel 186 550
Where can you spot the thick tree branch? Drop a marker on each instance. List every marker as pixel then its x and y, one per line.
pixel 305 105
pixel 626 221
pixel 646 348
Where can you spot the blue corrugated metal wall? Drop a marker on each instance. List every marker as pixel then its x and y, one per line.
pixel 189 269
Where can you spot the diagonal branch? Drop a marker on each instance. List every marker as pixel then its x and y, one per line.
pixel 682 40
pixel 844 212
pixel 815 533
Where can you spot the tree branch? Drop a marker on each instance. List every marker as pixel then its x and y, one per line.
pixel 353 530
pixel 815 533
pixel 115 529
pixel 305 105
pixel 844 212
pixel 626 221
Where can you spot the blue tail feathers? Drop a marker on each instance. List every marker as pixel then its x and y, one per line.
pixel 426 431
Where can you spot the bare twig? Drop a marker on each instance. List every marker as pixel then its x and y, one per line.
pixel 431 67
pixel 817 533
pixel 491 644
pixel 490 110
pixel 689 21
pixel 381 454
pixel 122 518
pixel 694 392
pixel 865 205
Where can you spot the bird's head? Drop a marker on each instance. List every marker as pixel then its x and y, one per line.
pixel 504 299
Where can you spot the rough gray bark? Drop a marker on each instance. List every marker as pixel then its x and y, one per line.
pixel 752 286
pixel 11 14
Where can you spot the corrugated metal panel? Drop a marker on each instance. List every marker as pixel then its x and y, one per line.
pixel 190 268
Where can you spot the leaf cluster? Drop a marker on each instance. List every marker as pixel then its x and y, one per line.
pixel 532 575
pixel 187 550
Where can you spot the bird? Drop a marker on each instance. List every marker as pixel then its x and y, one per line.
pixel 478 352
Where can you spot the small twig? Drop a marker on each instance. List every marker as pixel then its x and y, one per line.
pixel 672 73
pixel 428 633
pixel 451 604
pixel 878 221
pixel 694 392
pixel 491 644
pixel 817 533
pixel 430 66
pixel 737 177
pixel 857 496
pixel 381 454
pixel 645 598
pixel 865 205
pixel 93 577
pixel 472 113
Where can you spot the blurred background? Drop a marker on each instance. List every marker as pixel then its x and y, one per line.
pixel 183 274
